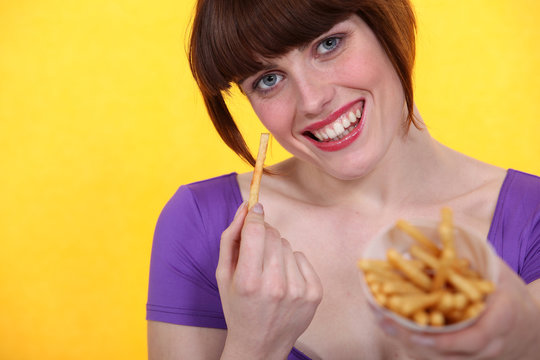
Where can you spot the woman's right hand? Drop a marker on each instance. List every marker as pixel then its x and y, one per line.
pixel 269 292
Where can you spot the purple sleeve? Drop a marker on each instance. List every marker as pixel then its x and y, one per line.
pixel 182 285
pixel 530 270
pixel 515 229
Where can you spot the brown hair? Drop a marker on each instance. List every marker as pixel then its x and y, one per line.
pixel 229 35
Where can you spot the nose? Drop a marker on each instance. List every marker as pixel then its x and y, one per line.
pixel 314 91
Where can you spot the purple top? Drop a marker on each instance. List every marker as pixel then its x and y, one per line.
pixel 183 288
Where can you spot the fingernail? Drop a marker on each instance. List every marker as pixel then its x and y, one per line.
pixel 242 206
pixel 258 208
pixel 422 340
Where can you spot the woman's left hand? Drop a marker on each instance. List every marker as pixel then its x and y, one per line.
pixel 508 329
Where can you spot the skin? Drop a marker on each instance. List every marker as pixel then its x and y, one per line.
pixel 290 283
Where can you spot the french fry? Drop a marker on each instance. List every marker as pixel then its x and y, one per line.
pixel 447 216
pixel 410 304
pixel 374 265
pixel 424 256
pixel 436 318
pixel 459 301
pixel 257 171
pixel 455 316
pixel 446 234
pixel 446 304
pixel 418 263
pixel 465 286
pixel 441 275
pixel 400 287
pixel 474 310
pixel 485 286
pixel 463 267
pixel 413 232
pixel 381 298
pixel 421 318
pixel 415 275
pixel 382 277
pixel 448 253
pixel 376 287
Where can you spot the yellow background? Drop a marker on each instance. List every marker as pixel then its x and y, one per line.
pixel 100 122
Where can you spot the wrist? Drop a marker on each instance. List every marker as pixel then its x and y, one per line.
pixel 247 350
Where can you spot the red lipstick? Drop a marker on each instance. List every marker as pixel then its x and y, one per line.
pixel 337 144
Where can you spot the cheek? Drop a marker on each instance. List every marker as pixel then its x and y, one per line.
pixel 362 72
pixel 276 115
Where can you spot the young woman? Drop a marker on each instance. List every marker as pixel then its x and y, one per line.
pixel 331 80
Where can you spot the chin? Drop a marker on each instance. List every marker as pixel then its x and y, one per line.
pixel 349 172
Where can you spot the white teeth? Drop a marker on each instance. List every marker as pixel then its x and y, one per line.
pixel 345 122
pixel 352 118
pixel 338 128
pixel 331 134
pixel 325 135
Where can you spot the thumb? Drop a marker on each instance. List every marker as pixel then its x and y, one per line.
pixel 255 213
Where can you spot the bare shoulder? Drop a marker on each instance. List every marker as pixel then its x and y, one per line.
pixel 278 181
pixel 485 179
pixel 170 341
pixel 478 187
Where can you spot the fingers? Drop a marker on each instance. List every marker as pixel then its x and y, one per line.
pixel 230 241
pixel 296 282
pixel 493 325
pixel 313 282
pixel 253 238
pixel 265 260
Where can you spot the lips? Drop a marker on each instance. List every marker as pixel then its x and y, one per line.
pixel 339 129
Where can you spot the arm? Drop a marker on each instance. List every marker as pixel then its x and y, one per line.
pixel 182 287
pixel 170 341
pixel 268 292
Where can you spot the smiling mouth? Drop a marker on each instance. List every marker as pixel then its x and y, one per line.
pixel 339 128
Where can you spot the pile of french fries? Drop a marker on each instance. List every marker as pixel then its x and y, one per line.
pixel 429 284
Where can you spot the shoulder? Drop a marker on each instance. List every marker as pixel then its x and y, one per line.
pixel 519 195
pixel 207 197
pixel 522 185
pixel 215 191
pixel 200 208
pixel 515 231
pixel 185 251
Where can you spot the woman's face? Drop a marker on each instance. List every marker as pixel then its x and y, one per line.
pixel 337 103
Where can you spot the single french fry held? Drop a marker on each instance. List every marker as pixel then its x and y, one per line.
pixel 257 171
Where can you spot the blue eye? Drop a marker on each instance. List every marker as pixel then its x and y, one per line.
pixel 268 81
pixel 328 44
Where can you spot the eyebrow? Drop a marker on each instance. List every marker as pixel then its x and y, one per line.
pixel 265 67
pixel 300 47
